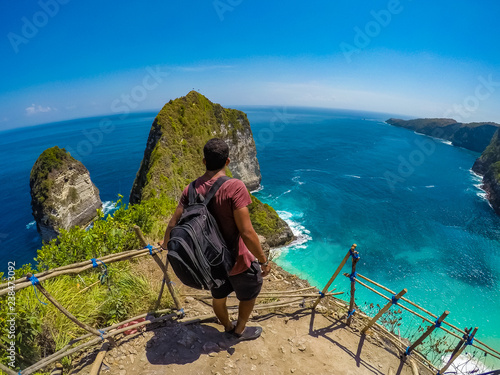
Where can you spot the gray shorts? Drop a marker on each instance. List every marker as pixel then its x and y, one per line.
pixel 246 285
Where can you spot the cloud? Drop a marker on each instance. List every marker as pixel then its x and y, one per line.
pixel 34 109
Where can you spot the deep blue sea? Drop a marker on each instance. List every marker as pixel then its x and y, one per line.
pixel 409 202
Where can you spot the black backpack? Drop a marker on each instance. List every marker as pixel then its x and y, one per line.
pixel 196 250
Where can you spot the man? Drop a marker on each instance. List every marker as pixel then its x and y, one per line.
pixel 229 208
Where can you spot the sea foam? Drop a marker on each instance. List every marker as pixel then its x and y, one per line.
pixel 302 235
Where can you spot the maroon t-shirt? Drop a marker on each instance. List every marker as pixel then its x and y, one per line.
pixel 231 196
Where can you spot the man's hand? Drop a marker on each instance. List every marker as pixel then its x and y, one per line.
pixel 265 268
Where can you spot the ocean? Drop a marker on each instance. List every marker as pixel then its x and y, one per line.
pixel 410 202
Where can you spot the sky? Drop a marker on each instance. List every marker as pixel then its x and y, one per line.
pixel 66 59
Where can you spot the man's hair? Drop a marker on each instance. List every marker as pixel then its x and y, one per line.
pixel 216 152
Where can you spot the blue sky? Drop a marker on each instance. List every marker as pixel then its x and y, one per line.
pixel 64 59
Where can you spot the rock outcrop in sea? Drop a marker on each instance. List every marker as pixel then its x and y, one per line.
pixel 474 136
pixel 174 153
pixel 488 166
pixel 62 193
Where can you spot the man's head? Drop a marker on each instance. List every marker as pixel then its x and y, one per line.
pixel 216 153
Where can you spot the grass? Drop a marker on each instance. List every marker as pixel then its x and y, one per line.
pixel 42 330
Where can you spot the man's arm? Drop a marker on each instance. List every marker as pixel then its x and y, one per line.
pixel 249 236
pixel 171 224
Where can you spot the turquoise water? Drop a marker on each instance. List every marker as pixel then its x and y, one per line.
pixel 338 177
pixel 332 176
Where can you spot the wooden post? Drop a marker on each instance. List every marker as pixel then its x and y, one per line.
pixel 62 309
pixel 166 276
pixel 382 311
pixel 426 333
pixel 456 353
pixel 355 259
pixel 99 358
pixel 339 268
pixel 8 370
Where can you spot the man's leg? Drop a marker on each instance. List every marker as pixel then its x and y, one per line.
pixel 220 309
pixel 244 311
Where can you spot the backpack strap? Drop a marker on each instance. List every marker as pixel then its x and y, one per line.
pixel 217 184
pixel 192 193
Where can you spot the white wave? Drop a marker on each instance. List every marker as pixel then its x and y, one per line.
pixel 483 195
pixel 464 364
pixel 302 235
pixel 475 176
pixel 282 194
pixel 108 207
pixel 352 175
pixel 430 186
pixel 312 170
pixel 296 180
pixel 435 138
pixel 31 225
pixel 260 188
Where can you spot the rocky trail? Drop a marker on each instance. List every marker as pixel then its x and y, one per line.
pixel 295 340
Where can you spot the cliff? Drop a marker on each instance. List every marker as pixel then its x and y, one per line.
pixel 473 136
pixel 174 151
pixel 62 194
pixel 488 165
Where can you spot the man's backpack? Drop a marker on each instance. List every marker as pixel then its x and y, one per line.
pixel 196 250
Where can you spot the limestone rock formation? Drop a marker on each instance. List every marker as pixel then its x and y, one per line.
pixel 473 136
pixel 62 194
pixel 174 151
pixel 488 165
pixel 174 148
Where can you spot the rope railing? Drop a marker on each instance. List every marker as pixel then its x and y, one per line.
pixel 108 333
pixel 75 268
pixel 297 296
pixel 465 336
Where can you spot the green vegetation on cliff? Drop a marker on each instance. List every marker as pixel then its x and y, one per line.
pixel 175 146
pixel 174 153
pixel 489 156
pixel 51 159
pixel 488 165
pixel 474 136
pixel 42 330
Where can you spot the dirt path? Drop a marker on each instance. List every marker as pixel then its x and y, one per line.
pixel 294 340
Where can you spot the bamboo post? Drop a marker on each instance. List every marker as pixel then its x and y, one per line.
pixel 62 309
pixel 429 330
pixel 355 259
pixel 339 268
pixel 467 341
pixel 162 287
pixel 462 340
pixel 99 358
pixel 493 353
pixel 166 276
pixel 383 310
pixel 434 316
pixel 8 371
